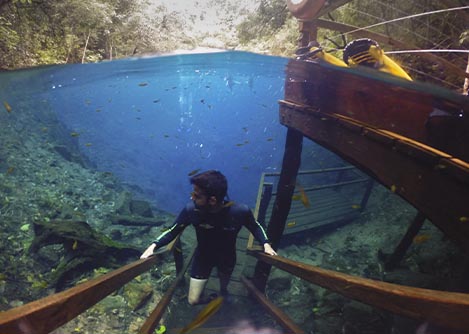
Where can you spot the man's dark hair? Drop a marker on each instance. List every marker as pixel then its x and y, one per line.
pixel 212 183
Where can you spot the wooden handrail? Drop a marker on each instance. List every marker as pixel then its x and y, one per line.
pixel 332 185
pixel 283 319
pixel 448 309
pixel 44 315
pixel 315 171
pixel 155 316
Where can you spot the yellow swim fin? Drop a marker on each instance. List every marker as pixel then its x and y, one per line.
pixel 367 52
pixel 387 64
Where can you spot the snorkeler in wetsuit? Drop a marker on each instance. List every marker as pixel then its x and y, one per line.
pixel 217 224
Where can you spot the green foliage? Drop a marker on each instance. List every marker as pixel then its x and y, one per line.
pixel 266 21
pixel 50 32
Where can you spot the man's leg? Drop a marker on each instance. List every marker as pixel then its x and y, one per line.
pixel 225 269
pixel 200 272
pixel 196 288
pixel 224 281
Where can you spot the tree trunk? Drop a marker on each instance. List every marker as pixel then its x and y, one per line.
pixel 86 45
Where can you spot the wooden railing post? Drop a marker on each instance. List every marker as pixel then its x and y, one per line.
pixel 285 188
pixel 391 261
pixel 366 195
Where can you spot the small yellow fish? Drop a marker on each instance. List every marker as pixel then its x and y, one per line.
pixel 418 239
pixel 291 224
pixel 193 172
pixel 393 188
pixel 88 144
pixel 204 315
pixel 160 330
pixel 10 170
pixel 7 106
pixel 296 197
pixel 356 206
pixel 74 134
pixel 304 198
pixel 75 245
pixel 228 204
pixel 463 219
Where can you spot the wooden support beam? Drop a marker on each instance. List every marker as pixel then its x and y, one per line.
pixel 391 261
pixel 366 195
pixel 283 319
pixel 285 188
pixel 264 203
pixel 448 309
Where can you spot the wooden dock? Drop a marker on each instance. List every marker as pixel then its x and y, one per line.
pixel 336 196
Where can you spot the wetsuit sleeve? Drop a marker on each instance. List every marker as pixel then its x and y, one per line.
pixel 181 222
pixel 255 228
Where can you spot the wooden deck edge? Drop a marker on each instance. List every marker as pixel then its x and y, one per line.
pixel 448 309
pixel 416 172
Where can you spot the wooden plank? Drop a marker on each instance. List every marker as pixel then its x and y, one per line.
pixel 283 319
pixel 439 193
pixel 327 207
pixel 312 171
pixel 448 309
pixel 329 222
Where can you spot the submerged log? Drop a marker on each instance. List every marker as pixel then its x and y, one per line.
pixel 84 248
pixel 131 220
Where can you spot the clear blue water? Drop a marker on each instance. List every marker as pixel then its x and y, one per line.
pixel 151 121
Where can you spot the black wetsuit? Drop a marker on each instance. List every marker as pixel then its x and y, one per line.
pixel 216 236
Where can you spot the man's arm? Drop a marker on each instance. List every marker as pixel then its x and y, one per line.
pixel 149 251
pixel 268 249
pixel 259 233
pixel 167 236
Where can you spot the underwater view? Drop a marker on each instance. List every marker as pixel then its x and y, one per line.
pixel 95 162
pixel 152 121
